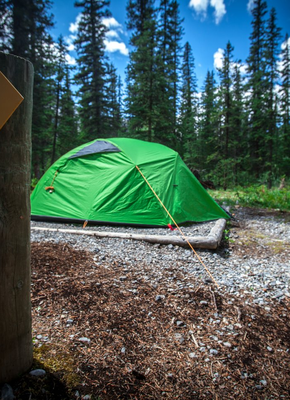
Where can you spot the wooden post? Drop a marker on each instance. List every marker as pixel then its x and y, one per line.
pixel 15 304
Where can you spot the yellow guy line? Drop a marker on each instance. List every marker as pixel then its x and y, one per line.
pixel 182 234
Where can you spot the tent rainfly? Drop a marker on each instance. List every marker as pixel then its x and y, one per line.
pixel 114 180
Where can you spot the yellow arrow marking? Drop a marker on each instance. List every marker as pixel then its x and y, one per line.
pixel 10 99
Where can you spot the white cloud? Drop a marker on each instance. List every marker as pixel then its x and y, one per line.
pixel 199 95
pixel 70 60
pixel 74 26
pixel 218 62
pixel 201 6
pixel 114 31
pixel 283 47
pixel 112 34
pixel 113 42
pixel 69 40
pixel 284 44
pixel 250 5
pixel 112 46
pixel 111 23
pixel 220 9
pixel 243 68
pixel 218 58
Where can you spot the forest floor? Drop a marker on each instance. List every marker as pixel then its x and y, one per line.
pixel 98 340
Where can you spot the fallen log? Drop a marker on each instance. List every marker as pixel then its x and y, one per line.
pixel 211 241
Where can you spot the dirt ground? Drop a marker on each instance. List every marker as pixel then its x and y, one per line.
pixel 97 339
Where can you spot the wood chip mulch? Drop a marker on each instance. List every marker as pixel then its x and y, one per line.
pixel 109 334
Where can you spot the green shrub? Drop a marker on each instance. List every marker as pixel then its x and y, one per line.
pixel 254 196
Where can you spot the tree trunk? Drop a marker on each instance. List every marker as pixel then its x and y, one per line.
pixel 15 144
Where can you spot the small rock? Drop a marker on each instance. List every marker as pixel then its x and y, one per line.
pixel 180 324
pixel 179 338
pixel 203 302
pixel 123 350
pixel 6 392
pixel 123 278
pixel 278 295
pixel 159 297
pixel 227 344
pixel 85 340
pixel 269 348
pixel 37 372
pixel 214 352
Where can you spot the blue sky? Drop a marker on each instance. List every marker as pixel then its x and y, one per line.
pixel 208 26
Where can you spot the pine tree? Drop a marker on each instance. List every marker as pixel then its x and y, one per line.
pixel 120 96
pixel 141 98
pixel 188 108
pixel 208 127
pixel 43 113
pixel 91 63
pixel 227 129
pixel 256 87
pixel 112 106
pixel 240 137
pixel 273 37
pixel 284 148
pixel 65 130
pixel 68 129
pixel 5 25
pixel 164 89
pixel 22 11
pixel 25 34
pixel 168 63
pixel 176 32
pixel 60 63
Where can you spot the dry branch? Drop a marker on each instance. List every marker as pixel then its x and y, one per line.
pixel 211 241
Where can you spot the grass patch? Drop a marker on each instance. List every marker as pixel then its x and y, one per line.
pixel 254 196
pixel 55 360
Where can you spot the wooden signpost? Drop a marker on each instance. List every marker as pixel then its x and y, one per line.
pixel 15 144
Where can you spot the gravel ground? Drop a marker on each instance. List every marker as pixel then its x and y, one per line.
pixel 123 319
pixel 252 263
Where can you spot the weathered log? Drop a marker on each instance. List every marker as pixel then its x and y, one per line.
pixel 15 144
pixel 206 242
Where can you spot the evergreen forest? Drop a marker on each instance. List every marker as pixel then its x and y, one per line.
pixel 235 130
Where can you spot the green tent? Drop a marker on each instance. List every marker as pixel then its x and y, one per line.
pixel 119 181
